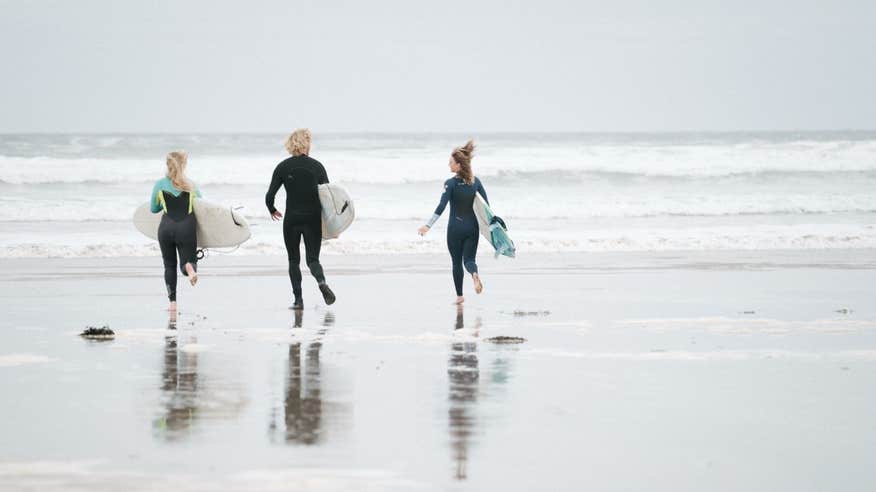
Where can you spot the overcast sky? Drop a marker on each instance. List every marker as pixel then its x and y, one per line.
pixel 650 65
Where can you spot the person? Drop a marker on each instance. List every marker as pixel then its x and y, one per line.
pixel 300 175
pixel 462 227
pixel 174 197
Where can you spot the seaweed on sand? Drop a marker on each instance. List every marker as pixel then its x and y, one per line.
pixel 505 339
pixel 98 333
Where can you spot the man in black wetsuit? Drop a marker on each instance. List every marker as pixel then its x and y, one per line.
pixel 300 175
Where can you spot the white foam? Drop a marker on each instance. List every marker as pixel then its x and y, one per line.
pixel 410 159
pixel 706 355
pixel 13 360
pixel 97 475
pixel 48 468
pixel 749 325
pixel 66 242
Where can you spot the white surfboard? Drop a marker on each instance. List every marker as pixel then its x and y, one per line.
pixel 338 211
pixel 219 226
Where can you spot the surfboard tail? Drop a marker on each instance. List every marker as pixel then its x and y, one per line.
pixel 502 244
pixel 338 210
pixel 493 230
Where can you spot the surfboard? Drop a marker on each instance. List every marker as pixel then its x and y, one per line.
pixel 219 226
pixel 494 233
pixel 338 211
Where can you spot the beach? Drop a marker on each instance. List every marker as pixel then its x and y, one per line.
pixel 672 208
pixel 686 311
pixel 718 370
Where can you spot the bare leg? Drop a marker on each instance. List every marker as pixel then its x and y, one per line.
pixel 172 307
pixel 459 300
pixel 478 285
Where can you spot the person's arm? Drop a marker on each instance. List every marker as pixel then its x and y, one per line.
pixel 445 197
pixel 479 187
pixel 154 203
pixel 276 181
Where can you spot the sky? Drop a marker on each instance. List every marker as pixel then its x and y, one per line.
pixel 442 66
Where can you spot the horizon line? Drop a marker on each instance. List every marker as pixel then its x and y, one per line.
pixel 450 132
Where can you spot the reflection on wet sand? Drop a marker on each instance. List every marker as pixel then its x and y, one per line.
pixel 180 388
pixel 463 374
pixel 303 401
pixel 183 396
pixel 465 390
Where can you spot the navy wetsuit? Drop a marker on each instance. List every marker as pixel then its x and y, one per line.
pixel 462 227
pixel 177 232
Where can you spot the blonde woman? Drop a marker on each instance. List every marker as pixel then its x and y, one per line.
pixel 174 196
pixel 300 175
pixel 462 228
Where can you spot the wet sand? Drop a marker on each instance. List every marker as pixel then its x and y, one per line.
pixel 707 371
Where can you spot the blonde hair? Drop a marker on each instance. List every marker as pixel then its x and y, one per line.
pixel 462 156
pixel 299 142
pixel 176 170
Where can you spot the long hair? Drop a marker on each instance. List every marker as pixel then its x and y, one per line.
pixel 176 170
pixel 462 156
pixel 299 142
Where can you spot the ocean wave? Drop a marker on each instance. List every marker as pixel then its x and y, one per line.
pixel 655 241
pixel 49 213
pixel 120 145
pixel 359 161
pixel 513 204
pixel 551 177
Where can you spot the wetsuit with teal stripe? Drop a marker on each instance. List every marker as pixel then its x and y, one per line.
pixel 177 233
pixel 462 228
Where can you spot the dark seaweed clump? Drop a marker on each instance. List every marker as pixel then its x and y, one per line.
pixel 97 332
pixel 504 339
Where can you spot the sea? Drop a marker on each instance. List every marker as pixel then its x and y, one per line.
pixel 65 195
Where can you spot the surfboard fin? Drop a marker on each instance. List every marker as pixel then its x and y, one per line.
pixel 498 220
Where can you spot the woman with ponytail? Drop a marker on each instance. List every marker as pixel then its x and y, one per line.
pixel 174 196
pixel 462 228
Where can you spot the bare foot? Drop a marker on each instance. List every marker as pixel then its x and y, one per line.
pixel 193 275
pixel 478 285
pixel 172 307
pixel 460 300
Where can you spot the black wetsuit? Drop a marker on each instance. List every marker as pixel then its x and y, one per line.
pixel 462 227
pixel 300 175
pixel 177 235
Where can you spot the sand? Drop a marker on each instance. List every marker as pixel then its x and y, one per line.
pixel 707 371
